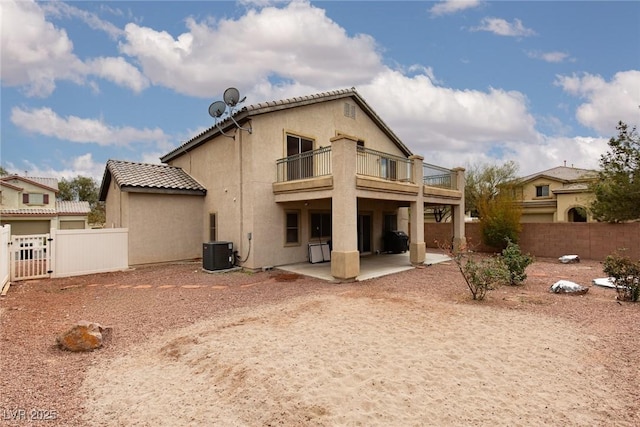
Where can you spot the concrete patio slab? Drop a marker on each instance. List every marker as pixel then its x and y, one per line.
pixel 371 266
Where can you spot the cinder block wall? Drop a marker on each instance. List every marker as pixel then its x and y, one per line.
pixel 588 240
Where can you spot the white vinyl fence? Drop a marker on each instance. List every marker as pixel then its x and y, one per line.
pixel 5 266
pixel 77 252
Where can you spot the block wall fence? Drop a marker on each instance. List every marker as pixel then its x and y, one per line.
pixel 588 240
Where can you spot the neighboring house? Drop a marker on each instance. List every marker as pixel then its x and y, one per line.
pixel 29 205
pixel 559 194
pixel 314 169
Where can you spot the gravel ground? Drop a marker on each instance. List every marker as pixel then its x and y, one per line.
pixel 43 381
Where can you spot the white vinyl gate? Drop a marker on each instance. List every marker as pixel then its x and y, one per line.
pixel 30 256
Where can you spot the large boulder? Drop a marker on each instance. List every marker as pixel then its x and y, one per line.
pixel 83 336
pixel 567 287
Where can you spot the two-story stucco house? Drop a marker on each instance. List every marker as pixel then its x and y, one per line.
pixel 560 194
pixel 29 205
pixel 280 176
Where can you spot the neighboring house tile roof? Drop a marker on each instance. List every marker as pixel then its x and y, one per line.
pixel 72 208
pixel 563 173
pixel 46 183
pixel 147 177
pixel 29 212
pixel 244 114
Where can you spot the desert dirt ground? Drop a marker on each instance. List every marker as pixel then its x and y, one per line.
pixel 270 348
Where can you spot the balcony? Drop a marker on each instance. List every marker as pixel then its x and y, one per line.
pixel 317 163
pixel 375 171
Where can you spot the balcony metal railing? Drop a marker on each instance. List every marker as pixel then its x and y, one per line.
pixel 383 165
pixel 310 164
pixel 436 176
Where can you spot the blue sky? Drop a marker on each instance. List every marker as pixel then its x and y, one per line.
pixel 460 82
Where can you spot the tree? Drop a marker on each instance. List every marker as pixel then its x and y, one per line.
pixel 82 188
pixel 483 182
pixel 617 190
pixel 500 219
pixel 3 171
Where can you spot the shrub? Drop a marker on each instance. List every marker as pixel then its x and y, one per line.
pixel 626 274
pixel 485 275
pixel 516 262
pixel 479 276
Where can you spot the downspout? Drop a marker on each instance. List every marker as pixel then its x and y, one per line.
pixel 241 194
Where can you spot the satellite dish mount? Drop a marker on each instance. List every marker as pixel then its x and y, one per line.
pixel 231 99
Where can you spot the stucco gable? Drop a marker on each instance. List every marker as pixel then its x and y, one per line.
pixel 150 178
pixel 244 114
pixel 17 182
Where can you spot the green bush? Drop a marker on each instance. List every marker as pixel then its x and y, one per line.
pixel 516 262
pixel 484 275
pixel 626 274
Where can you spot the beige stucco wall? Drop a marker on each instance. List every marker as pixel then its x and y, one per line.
pixel 239 175
pixel 115 203
pixel 164 227
pixel 529 189
pixel 12 199
pixel 564 202
pixel 572 200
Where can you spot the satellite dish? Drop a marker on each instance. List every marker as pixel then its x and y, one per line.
pixel 231 96
pixel 217 109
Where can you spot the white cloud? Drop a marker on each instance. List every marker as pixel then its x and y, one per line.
pixel 61 9
pixel 35 54
pixel 120 72
pixel 83 165
pixel 297 43
pixel 44 121
pixel 554 57
pixel 502 27
pixel 452 6
pixel 607 103
pixel 431 116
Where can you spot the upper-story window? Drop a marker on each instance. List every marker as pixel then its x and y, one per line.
pixel 300 166
pixel 35 199
pixel 542 191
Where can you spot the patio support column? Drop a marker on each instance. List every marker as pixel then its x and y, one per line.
pixel 345 258
pixel 459 239
pixel 417 247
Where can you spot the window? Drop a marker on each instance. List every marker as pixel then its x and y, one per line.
pixel 542 191
pixel 213 231
pixel 320 225
pixel 293 228
pixel 388 168
pixel 35 199
pixel 300 166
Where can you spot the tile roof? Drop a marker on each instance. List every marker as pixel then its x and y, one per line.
pixel 146 176
pixel 71 207
pixel 29 212
pixel 267 107
pixel 564 173
pixel 50 183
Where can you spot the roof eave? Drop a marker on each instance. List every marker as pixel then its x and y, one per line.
pixel 155 190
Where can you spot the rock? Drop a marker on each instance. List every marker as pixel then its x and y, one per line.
pixel 84 336
pixel 569 259
pixel 567 287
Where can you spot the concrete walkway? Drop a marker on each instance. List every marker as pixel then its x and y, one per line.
pixel 371 266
